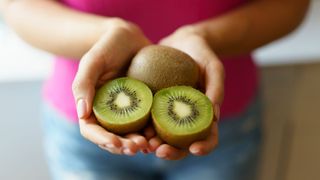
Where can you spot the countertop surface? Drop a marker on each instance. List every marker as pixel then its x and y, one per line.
pixel 20 62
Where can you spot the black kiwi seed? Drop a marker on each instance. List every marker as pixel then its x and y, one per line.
pixel 182 127
pixel 123 116
pixel 189 120
pixel 133 99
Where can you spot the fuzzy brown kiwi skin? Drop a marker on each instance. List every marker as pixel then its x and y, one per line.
pixel 122 129
pixel 161 67
pixel 183 141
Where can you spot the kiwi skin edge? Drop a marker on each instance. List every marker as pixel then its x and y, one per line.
pixel 123 129
pixel 181 141
pixel 184 141
pixel 134 125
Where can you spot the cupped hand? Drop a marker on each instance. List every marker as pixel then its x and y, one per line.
pixel 107 59
pixel 191 41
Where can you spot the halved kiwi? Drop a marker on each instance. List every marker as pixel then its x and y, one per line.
pixel 123 105
pixel 181 115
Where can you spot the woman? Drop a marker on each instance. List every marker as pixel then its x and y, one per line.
pixel 104 35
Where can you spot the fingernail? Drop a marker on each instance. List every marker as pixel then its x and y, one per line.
pixel 110 145
pixel 127 151
pixel 217 111
pixel 162 155
pixel 145 151
pixel 195 151
pixel 81 108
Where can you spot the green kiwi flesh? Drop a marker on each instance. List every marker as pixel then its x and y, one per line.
pixel 161 67
pixel 181 115
pixel 123 105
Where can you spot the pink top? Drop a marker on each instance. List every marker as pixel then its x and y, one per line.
pixel 157 19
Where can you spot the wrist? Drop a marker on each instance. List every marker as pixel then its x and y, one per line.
pixel 210 37
pixel 193 30
pixel 117 23
pixel 201 30
pixel 126 31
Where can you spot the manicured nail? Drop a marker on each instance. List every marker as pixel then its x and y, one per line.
pixel 110 146
pixel 145 151
pixel 81 108
pixel 217 111
pixel 128 152
pixel 195 151
pixel 162 155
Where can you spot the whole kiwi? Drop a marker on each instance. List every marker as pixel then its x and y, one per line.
pixel 162 66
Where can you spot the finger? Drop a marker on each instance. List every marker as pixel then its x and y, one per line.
pixel 154 143
pixel 214 77
pixel 91 67
pixel 214 80
pixel 207 145
pixel 129 147
pixel 98 135
pixel 149 132
pixel 168 152
pixel 139 140
pixel 83 86
pixel 111 150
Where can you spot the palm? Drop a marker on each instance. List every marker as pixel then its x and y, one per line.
pixel 211 82
pixel 105 61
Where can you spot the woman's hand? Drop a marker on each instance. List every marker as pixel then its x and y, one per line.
pixel 211 81
pixel 107 59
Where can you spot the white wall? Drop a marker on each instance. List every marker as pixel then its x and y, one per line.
pixel 19 61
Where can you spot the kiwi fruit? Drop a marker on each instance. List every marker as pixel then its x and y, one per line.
pixel 181 115
pixel 161 67
pixel 123 105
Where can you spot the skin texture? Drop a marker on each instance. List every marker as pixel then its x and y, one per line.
pixel 256 23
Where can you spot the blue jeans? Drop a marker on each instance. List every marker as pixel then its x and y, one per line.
pixel 71 157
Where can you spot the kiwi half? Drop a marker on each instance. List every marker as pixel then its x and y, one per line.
pixel 123 105
pixel 181 115
pixel 162 66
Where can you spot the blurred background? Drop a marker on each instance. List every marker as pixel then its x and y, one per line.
pixel 290 73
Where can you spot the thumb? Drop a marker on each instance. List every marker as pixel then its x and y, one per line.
pixel 214 81
pixel 83 86
pixel 83 94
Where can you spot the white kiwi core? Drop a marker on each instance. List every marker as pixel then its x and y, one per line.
pixel 122 100
pixel 181 109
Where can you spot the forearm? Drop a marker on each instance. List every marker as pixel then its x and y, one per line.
pixel 252 25
pixel 52 27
